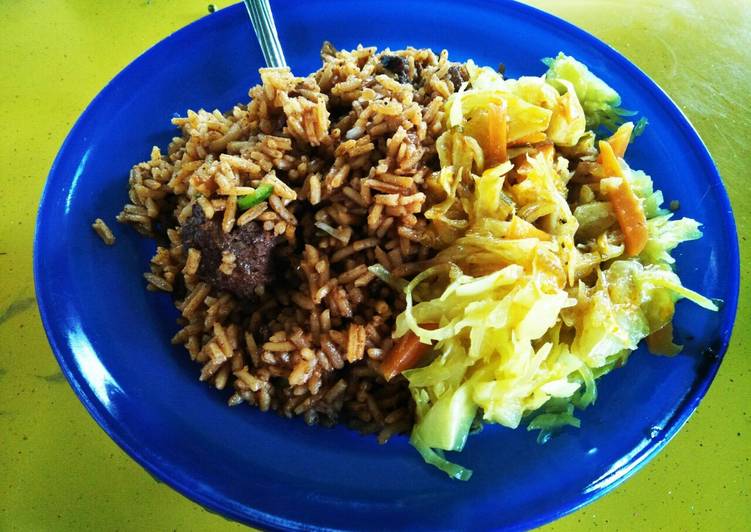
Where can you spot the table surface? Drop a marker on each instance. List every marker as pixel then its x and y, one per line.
pixel 60 471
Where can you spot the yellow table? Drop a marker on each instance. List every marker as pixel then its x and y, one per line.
pixel 59 471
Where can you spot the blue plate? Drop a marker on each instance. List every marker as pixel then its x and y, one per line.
pixel 111 337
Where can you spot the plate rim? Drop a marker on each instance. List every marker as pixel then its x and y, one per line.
pixel 249 515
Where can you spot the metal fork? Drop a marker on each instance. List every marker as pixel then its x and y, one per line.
pixel 268 39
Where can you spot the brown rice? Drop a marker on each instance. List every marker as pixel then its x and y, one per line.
pixel 104 232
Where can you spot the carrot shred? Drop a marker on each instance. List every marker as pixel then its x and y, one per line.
pixel 620 139
pixel 406 354
pixel 608 160
pixel 488 126
pixel 627 206
pixel 521 162
pixel 496 135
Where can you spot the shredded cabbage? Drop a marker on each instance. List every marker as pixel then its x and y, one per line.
pixel 664 235
pixel 532 297
pixel 600 102
pixel 499 349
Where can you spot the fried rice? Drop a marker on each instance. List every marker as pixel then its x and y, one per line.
pixel 347 152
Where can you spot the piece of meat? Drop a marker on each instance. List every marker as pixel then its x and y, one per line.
pixel 252 247
pixel 396 65
pixel 457 75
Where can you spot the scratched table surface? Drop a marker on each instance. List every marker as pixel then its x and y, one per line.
pixel 59 470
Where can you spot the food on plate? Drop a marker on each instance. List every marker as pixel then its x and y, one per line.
pixel 407 244
pixel 104 232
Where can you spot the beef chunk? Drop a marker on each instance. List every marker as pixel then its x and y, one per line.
pixel 457 75
pixel 396 65
pixel 252 246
